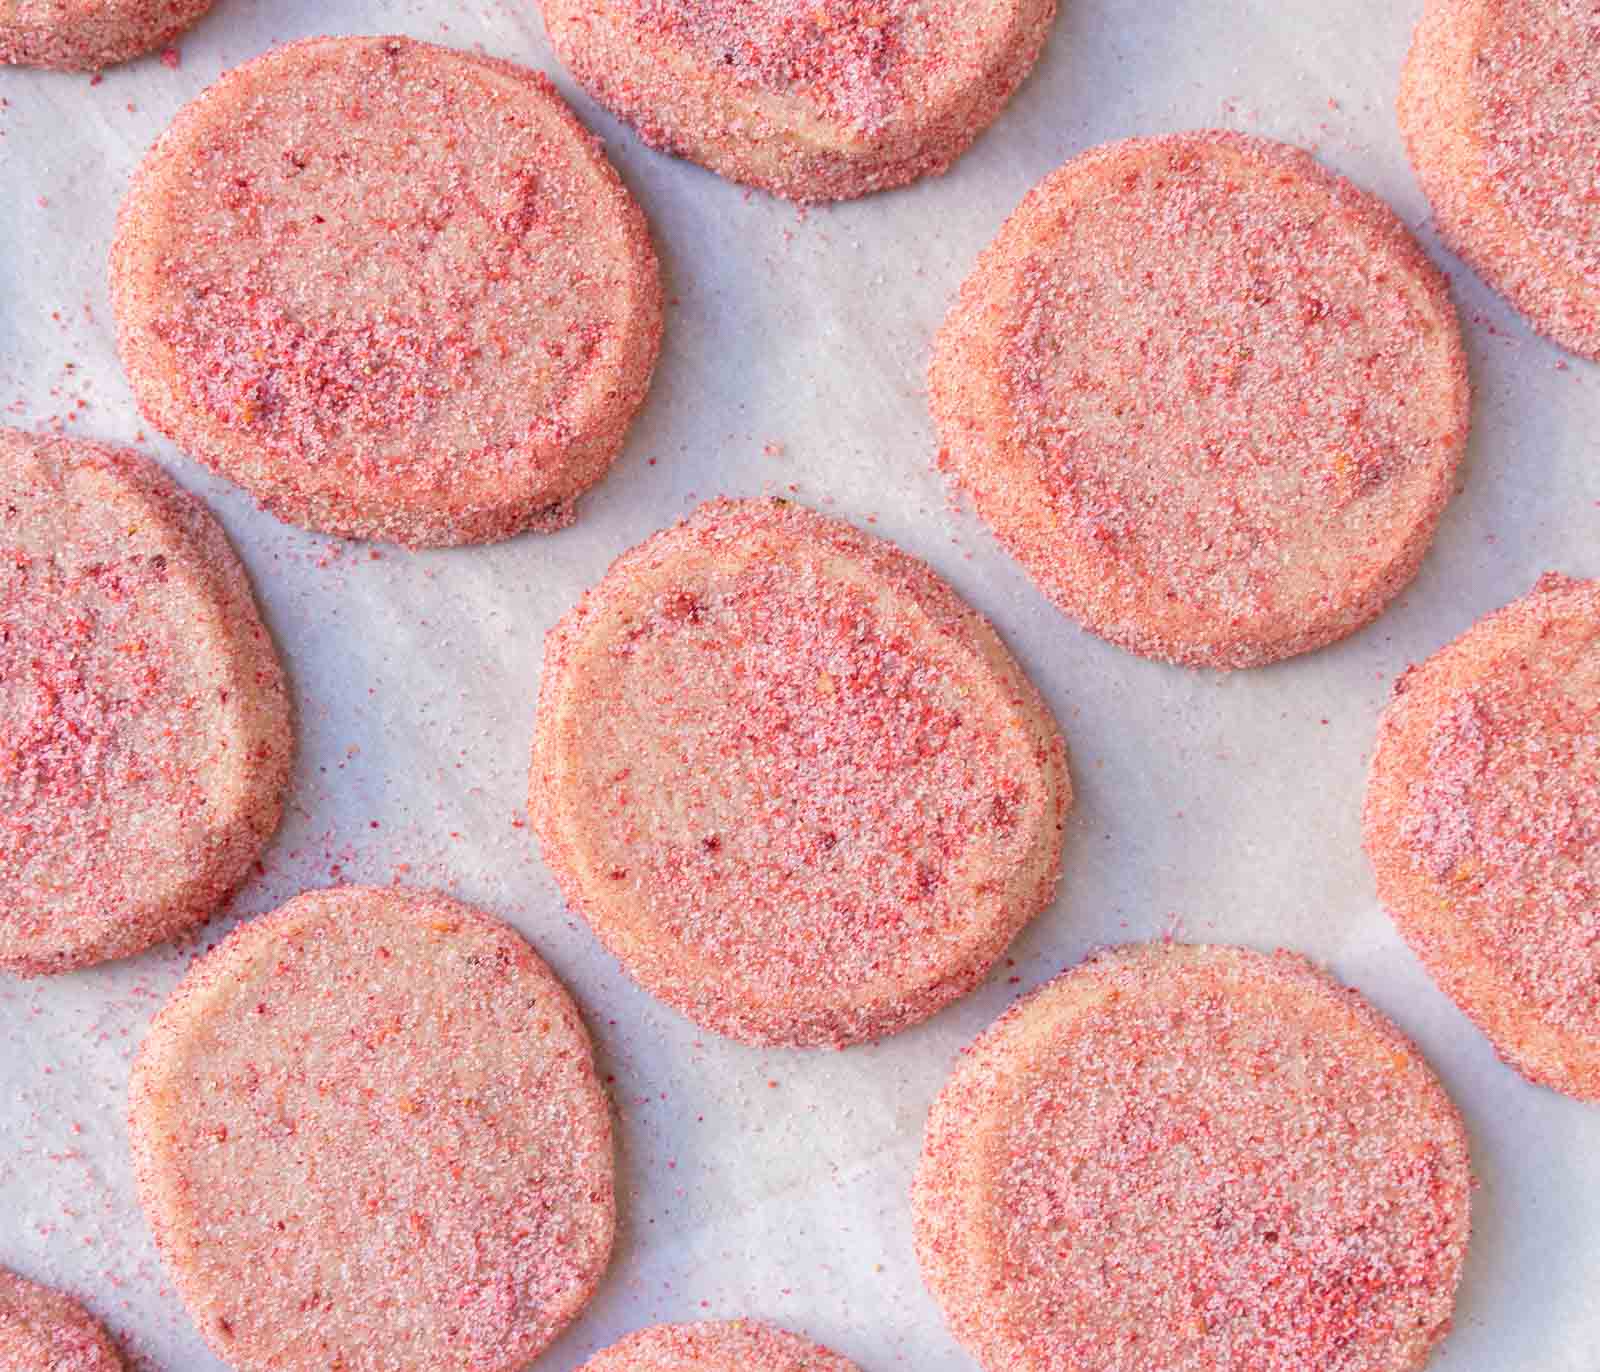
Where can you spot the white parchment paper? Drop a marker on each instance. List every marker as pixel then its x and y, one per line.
pixel 768 1183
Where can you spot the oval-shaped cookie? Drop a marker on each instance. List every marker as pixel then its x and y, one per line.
pixel 1499 108
pixel 800 790
pixel 716 1346
pixel 1194 1157
pixel 43 1330
pixel 367 1133
pixel 1209 394
pixel 394 290
pixel 145 735
pixel 1483 826
pixel 85 35
pixel 823 101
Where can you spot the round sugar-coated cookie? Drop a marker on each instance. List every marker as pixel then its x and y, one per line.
pixel 796 786
pixel 367 1133
pixel 1500 108
pixel 1199 1158
pixel 394 290
pixel 820 101
pixel 145 735
pixel 85 35
pixel 717 1346
pixel 1209 394
pixel 43 1330
pixel 1483 826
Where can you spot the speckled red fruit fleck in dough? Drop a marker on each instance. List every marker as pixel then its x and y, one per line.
pixel 368 1136
pixel 801 791
pixel 1500 107
pixel 84 35
pixel 1194 1159
pixel 1483 825
pixel 42 1330
pixel 394 290
pixel 810 99
pixel 144 725
pixel 731 1346
pixel 1211 396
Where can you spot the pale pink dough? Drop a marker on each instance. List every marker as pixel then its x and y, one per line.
pixel 1483 825
pixel 1500 108
pixel 800 789
pixel 809 99
pixel 728 1346
pixel 43 1330
pixel 394 290
pixel 145 734
pixel 1194 1159
pixel 84 35
pixel 368 1136
pixel 1209 394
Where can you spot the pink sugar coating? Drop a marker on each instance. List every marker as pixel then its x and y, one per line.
pixel 395 290
pixel 1190 1159
pixel 844 57
pixel 810 99
pixel 43 1330
pixel 798 788
pixel 1483 825
pixel 145 735
pixel 84 35
pixel 727 1346
pixel 1212 396
pixel 1500 108
pixel 368 1134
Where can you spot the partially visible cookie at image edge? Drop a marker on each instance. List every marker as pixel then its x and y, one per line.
pixel 85 35
pixel 1500 108
pixel 145 729
pixel 1193 1156
pixel 716 1346
pixel 815 102
pixel 44 1330
pixel 1482 821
